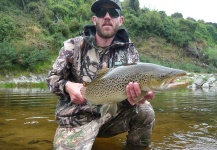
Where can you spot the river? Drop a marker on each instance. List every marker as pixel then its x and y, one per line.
pixel 185 119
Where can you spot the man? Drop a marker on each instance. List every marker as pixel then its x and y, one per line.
pixel 103 45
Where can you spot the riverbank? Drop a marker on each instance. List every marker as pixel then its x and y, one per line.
pixel 195 80
pixel 24 81
pixel 201 80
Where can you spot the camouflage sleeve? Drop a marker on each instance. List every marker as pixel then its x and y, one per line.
pixel 133 54
pixel 55 79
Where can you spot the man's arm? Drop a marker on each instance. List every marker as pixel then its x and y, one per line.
pixel 55 80
pixel 57 77
pixel 74 90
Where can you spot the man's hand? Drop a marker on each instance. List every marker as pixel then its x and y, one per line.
pixel 133 91
pixel 74 92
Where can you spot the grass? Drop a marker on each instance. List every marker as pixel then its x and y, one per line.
pixel 28 85
pixel 157 50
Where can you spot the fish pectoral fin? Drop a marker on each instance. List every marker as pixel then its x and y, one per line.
pixel 140 97
pixel 113 109
pixel 83 91
pixel 104 109
pixel 109 108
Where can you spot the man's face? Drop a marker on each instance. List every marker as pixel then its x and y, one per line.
pixel 107 21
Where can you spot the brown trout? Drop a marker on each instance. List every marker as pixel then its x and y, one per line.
pixel 109 86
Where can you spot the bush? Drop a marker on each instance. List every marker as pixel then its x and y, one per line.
pixel 74 25
pixel 209 56
pixel 33 7
pixel 29 57
pixel 8 56
pixel 6 28
pixel 60 10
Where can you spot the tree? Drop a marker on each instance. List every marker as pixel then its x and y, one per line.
pixel 132 4
pixel 177 15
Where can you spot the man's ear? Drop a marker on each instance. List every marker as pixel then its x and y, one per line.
pixel 94 19
pixel 121 20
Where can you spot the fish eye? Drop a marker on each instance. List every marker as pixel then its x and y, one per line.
pixel 163 76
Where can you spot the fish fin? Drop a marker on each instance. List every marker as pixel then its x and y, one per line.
pixel 104 109
pixel 130 64
pixel 83 91
pixel 109 108
pixel 85 84
pixel 140 97
pixel 113 109
pixel 102 72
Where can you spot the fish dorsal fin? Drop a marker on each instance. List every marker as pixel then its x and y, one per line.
pixel 102 72
pixel 130 64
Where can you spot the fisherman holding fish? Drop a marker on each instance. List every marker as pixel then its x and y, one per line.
pixel 101 46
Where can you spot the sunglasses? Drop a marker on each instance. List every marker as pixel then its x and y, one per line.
pixel 114 13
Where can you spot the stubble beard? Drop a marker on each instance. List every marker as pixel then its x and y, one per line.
pixel 106 34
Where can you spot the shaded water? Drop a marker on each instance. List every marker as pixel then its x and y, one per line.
pixel 184 120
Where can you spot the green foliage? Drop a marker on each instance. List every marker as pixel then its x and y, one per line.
pixel 212 32
pixel 131 23
pixel 177 15
pixel 33 7
pixel 29 85
pixel 149 23
pixel 8 56
pixel 25 58
pixel 30 56
pixel 74 25
pixel 40 27
pixel 6 28
pixel 83 13
pixel 210 56
pixel 201 33
pixel 60 10
pixel 4 4
pixel 60 27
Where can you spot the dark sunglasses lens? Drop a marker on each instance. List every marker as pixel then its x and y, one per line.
pixel 101 13
pixel 114 13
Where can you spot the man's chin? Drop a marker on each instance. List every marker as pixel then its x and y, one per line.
pixel 107 35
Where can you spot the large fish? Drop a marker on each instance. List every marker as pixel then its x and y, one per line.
pixel 109 86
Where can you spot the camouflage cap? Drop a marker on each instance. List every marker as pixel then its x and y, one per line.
pixel 95 7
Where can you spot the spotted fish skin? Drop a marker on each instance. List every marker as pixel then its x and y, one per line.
pixel 109 86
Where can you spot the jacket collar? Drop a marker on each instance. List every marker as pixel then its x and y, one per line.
pixel 122 35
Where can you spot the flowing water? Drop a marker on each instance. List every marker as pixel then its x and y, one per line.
pixel 185 119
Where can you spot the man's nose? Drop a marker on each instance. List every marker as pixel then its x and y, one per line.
pixel 107 16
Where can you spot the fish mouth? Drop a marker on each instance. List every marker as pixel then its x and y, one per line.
pixel 174 84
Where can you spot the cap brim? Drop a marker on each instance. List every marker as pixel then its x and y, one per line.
pixel 95 7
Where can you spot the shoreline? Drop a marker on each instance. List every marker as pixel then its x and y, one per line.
pixel 196 80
